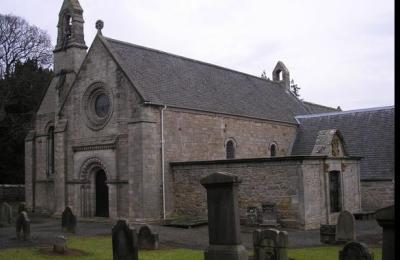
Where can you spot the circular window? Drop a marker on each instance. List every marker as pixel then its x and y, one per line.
pixel 97 106
pixel 102 105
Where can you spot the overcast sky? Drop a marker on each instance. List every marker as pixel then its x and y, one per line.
pixel 339 52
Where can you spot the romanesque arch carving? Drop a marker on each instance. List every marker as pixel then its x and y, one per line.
pixel 89 165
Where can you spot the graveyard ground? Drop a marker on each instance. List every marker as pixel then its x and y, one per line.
pixel 94 238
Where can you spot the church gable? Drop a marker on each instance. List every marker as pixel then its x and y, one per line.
pixel 101 95
pixel 329 143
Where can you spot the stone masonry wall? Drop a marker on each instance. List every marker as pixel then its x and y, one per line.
pixel 263 180
pixel 193 136
pixel 376 194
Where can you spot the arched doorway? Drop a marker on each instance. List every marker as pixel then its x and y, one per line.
pixel 101 194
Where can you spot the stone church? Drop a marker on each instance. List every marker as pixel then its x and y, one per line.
pixel 127 131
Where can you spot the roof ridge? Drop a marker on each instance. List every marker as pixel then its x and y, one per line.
pixel 346 112
pixel 308 102
pixel 189 59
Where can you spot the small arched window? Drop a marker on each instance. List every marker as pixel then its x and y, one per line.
pixel 68 26
pixel 50 150
pixel 273 150
pixel 230 150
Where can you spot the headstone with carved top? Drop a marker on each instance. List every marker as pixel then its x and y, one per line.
pixel 124 241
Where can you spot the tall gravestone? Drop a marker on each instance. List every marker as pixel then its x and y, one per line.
pixel 23 226
pixel 68 221
pixel 124 242
pixel 223 218
pixel 355 251
pixel 270 244
pixel 345 227
pixel 385 219
pixel 147 239
pixel 5 214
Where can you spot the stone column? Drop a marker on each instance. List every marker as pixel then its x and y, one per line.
pixel 30 173
pixel 113 199
pixel 385 219
pixel 223 218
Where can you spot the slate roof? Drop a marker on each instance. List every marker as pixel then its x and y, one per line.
pixel 367 132
pixel 167 79
pixel 318 109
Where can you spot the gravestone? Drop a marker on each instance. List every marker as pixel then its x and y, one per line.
pixel 345 227
pixel 223 218
pixel 5 214
pixel 251 216
pixel 68 221
pixel 269 214
pixel 355 251
pixel 124 242
pixel 146 238
pixel 23 226
pixel 60 244
pixel 327 234
pixel 270 244
pixel 22 207
pixel 385 219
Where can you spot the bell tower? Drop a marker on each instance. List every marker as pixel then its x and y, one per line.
pixel 71 48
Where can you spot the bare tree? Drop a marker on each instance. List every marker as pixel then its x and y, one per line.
pixel 20 41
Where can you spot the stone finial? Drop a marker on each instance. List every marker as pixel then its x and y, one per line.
pixel 99 25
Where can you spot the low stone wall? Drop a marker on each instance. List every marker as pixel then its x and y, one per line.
pixel 277 180
pixel 11 192
pixel 376 194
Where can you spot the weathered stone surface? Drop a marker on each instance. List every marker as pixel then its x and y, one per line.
pixel 276 181
pixel 269 214
pixel 147 239
pixel 124 242
pixel 345 227
pixel 385 218
pixel 327 234
pixel 5 214
pixel 60 244
pixel 376 194
pixel 252 216
pixel 355 251
pixel 23 227
pixel 270 244
pixel 68 221
pixel 223 217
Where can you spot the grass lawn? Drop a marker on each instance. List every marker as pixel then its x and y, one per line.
pixel 99 248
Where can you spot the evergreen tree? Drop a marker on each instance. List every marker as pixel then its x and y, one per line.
pixel 20 95
pixel 264 75
pixel 294 89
